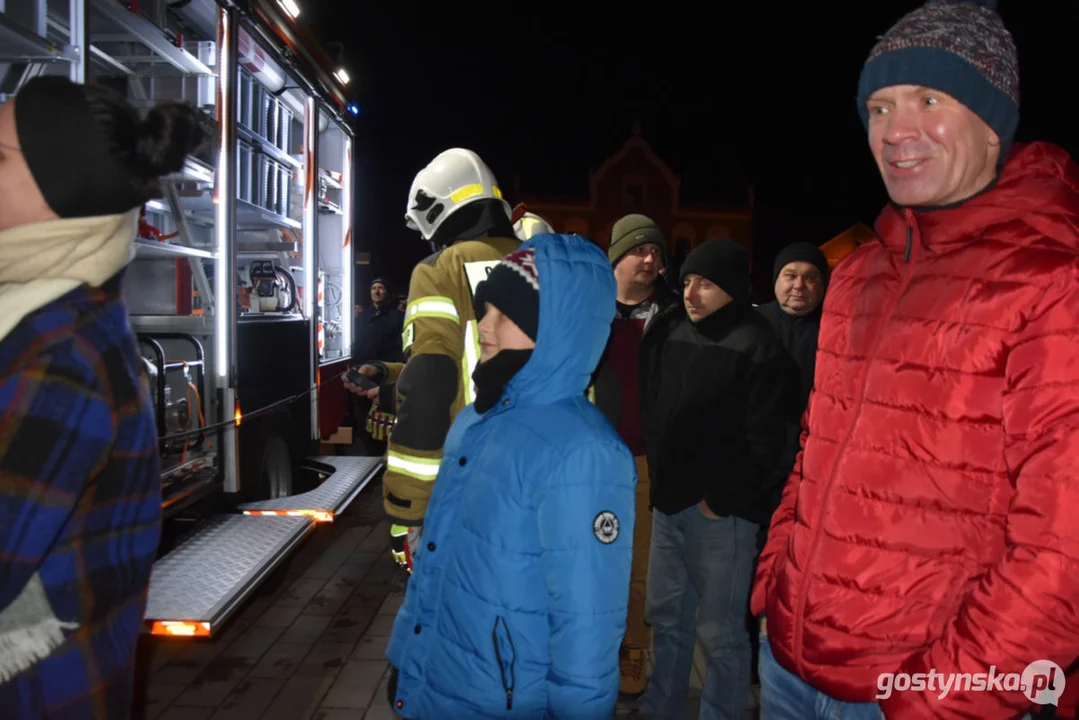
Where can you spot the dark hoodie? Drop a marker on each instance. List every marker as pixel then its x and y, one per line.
pixel 719 399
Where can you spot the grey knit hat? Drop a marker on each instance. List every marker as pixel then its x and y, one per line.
pixel 959 47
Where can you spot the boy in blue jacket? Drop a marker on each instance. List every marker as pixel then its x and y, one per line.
pixel 517 604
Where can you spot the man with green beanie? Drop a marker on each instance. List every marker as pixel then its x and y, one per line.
pixel 638 256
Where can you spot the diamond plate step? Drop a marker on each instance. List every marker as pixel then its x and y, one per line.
pixel 350 476
pixel 196 587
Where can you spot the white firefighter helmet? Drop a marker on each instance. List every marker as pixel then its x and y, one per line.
pixel 531 224
pixel 452 180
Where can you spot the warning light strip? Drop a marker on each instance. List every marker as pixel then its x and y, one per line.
pixel 318 515
pixel 180 628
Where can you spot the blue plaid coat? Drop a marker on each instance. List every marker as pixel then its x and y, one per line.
pixel 80 498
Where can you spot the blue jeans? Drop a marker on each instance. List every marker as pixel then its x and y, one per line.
pixel 785 696
pixel 699 576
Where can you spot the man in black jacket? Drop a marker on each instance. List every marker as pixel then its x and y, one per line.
pixel 799 277
pixel 719 403
pixel 377 338
pixel 378 328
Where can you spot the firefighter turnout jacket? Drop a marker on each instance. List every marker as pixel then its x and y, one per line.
pixel 441 345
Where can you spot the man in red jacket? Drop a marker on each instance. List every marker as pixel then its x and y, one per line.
pixel 924 561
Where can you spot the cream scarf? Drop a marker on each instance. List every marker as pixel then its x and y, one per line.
pixel 43 261
pixel 39 263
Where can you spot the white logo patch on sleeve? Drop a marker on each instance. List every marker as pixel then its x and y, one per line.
pixel 605 527
pixel 477 271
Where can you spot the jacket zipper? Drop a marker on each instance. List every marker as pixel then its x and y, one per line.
pixel 506 655
pixel 799 615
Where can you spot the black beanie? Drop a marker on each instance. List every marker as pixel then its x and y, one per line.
pixel 53 120
pixel 801 252
pixel 513 287
pixel 725 263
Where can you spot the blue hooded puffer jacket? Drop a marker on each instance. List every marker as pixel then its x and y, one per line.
pixel 517 605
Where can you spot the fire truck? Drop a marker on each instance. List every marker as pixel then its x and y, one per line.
pixel 241 291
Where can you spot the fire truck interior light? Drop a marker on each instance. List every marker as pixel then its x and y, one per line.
pixel 347 262
pixel 222 220
pixel 290 7
pixel 342 75
pixel 310 210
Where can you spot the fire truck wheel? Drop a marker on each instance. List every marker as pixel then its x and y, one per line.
pixel 276 476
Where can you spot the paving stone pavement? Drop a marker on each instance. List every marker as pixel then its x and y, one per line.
pixel 310 645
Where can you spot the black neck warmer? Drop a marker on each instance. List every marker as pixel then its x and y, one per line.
pixel 485 217
pixel 716 325
pixel 67 152
pixel 492 376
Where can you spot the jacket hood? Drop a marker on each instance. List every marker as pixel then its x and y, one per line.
pixel 576 307
pixel 1038 185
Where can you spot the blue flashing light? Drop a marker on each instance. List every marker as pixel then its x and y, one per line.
pixel 354 109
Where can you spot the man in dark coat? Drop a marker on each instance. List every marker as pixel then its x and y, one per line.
pixel 800 277
pixel 378 338
pixel 719 408
pixel 378 327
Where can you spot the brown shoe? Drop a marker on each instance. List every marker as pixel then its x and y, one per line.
pixel 631 666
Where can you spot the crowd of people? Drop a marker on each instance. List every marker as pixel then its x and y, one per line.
pixel 871 482
pixel 590 459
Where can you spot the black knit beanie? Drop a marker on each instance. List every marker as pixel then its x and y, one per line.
pixel 53 120
pixel 801 252
pixel 725 263
pixel 513 287
pixel 959 47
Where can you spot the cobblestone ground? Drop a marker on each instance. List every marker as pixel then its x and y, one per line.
pixel 309 646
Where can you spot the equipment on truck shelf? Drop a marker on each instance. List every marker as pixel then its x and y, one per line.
pixel 271 283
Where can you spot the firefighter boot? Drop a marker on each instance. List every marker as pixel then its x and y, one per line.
pixel 631 667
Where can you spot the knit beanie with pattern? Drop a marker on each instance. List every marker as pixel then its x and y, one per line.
pixel 513 288
pixel 959 47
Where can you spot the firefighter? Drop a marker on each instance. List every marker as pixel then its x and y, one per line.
pixel 456 205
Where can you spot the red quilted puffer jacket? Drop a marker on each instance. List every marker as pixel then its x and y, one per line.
pixel 932 519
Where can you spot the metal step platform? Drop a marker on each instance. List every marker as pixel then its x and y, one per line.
pixel 350 475
pixel 199 585
pixel 196 587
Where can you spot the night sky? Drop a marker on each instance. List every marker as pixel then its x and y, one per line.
pixel 728 97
